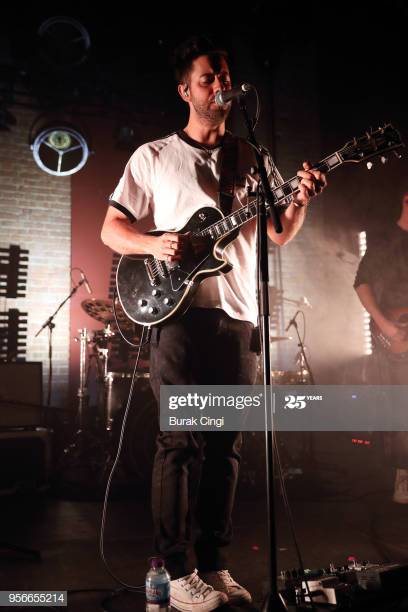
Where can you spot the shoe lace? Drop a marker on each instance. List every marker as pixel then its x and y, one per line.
pixel 198 586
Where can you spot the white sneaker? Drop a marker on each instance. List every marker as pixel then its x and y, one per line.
pixel 190 593
pixel 224 582
pixel 401 487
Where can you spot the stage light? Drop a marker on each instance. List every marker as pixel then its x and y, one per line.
pixel 59 150
pixel 362 243
pixel 368 345
pixel 60 140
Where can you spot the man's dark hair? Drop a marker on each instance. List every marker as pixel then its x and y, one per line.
pixel 189 50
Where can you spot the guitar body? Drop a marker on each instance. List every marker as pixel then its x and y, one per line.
pixel 397 350
pixel 152 292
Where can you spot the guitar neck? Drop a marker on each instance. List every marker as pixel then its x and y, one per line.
pixel 280 194
pixel 291 186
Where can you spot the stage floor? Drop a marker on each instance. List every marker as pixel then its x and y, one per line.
pixel 334 518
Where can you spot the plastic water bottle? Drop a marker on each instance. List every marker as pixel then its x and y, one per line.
pixel 157 587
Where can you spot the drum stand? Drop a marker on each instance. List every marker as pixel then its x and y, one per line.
pixel 87 450
pixel 105 378
pixel 87 461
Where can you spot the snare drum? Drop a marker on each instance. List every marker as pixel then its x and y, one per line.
pixel 281 377
pixel 286 377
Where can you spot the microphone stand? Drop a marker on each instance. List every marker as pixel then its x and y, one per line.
pixel 273 601
pixel 49 323
pixel 309 454
pixel 293 323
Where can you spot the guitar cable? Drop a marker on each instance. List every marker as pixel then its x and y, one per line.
pixel 144 339
pixel 115 314
pixel 112 592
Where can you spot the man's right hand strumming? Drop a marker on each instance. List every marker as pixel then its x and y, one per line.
pixel 125 237
pixel 169 246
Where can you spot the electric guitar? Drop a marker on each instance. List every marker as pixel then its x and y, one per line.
pixel 397 350
pixel 152 291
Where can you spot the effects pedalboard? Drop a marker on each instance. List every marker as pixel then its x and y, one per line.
pixel 345 585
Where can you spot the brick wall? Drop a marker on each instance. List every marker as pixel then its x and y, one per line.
pixel 35 213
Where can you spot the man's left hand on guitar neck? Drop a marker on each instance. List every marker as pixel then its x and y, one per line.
pixel 313 182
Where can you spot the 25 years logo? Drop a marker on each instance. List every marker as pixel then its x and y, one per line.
pixel 295 401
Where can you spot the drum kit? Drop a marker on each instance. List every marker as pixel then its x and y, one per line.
pixel 106 368
pixel 105 373
pixel 113 359
pixel 300 376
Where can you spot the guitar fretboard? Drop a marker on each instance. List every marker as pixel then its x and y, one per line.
pixel 280 194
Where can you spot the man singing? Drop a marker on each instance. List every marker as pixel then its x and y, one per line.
pixel 211 344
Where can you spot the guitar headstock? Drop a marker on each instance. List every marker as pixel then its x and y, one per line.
pixel 374 142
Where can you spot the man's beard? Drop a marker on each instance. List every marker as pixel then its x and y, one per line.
pixel 209 115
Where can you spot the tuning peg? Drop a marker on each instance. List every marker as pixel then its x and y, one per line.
pixel 369 165
pixel 383 159
pixel 397 154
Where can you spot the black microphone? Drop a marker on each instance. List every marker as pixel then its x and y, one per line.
pixel 85 282
pixel 291 322
pixel 222 97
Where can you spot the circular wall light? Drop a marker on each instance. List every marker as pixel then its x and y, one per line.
pixel 60 150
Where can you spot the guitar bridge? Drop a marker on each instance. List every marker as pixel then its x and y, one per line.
pixel 152 270
pixel 155 269
pixel 162 269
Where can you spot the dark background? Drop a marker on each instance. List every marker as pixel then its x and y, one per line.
pixel 357 64
pixel 325 73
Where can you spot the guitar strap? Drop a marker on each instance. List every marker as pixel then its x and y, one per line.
pixel 229 167
pixel 228 172
pixel 226 192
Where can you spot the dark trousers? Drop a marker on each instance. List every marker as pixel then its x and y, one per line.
pixel 195 473
pixel 385 371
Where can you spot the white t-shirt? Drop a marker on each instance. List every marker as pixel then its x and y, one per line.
pixel 171 179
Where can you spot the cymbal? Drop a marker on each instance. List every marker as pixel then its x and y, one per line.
pixel 102 310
